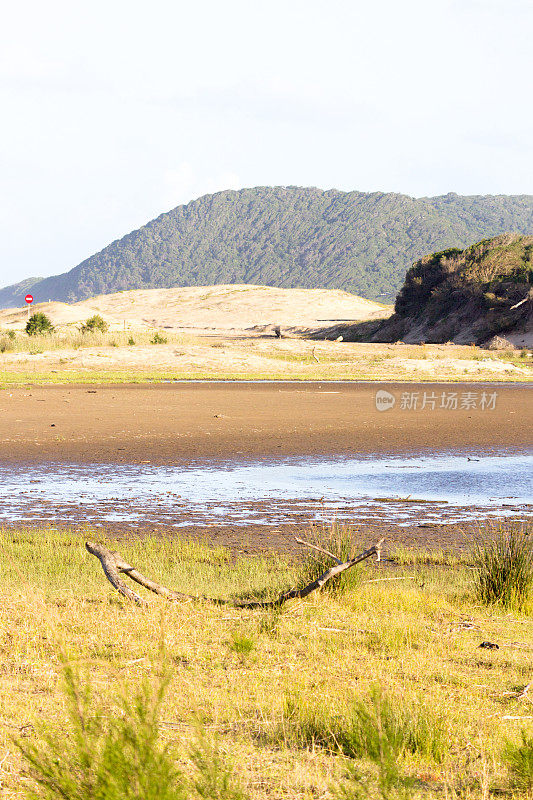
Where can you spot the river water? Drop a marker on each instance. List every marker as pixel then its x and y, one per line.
pixel 447 487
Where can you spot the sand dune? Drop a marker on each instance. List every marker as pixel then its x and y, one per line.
pixel 220 308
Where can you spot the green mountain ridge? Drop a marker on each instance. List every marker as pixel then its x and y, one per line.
pixel 287 237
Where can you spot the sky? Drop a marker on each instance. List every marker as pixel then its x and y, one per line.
pixel 114 112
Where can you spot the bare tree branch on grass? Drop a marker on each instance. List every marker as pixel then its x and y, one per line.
pixel 114 566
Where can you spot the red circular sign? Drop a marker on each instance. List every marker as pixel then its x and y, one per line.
pixel 29 298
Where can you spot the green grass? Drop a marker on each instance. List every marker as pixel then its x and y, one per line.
pixel 503 562
pixel 12 378
pixel 58 562
pixel 518 756
pixel 406 556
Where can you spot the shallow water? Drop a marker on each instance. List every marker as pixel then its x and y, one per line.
pixel 442 488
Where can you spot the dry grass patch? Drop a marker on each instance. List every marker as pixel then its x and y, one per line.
pixel 283 692
pixel 74 338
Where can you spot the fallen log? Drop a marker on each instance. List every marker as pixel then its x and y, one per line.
pixel 114 566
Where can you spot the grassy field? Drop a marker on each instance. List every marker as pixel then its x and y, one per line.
pixel 376 689
pixel 275 366
pixel 74 339
pixel 142 356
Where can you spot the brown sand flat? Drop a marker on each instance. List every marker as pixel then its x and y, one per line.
pixel 170 424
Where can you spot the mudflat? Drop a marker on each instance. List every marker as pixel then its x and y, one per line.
pixel 175 423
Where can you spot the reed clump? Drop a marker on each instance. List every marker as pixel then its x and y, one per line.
pixel 503 562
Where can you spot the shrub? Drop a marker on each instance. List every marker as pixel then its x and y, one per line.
pixel 120 755
pixel 213 779
pixel 131 341
pixel 377 734
pixel 241 644
pixel 115 757
pixel 504 568
pixel 519 761
pixel 158 339
pixel 95 323
pixel 377 728
pixel 372 723
pixel 38 324
pixel 7 341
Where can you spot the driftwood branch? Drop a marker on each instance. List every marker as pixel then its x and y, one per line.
pixel 320 550
pixel 109 565
pixel 521 303
pixel 114 565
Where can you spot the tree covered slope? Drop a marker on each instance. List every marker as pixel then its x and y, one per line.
pixel 466 295
pixel 287 237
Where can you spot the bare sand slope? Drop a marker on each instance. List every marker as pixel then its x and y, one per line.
pixel 221 307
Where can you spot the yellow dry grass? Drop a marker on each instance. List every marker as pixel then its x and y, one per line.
pixel 93 357
pixel 242 670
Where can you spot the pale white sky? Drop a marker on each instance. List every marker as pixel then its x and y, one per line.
pixel 116 110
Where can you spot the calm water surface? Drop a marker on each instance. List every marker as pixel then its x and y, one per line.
pixel 448 487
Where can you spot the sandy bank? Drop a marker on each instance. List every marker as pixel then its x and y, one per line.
pixel 169 424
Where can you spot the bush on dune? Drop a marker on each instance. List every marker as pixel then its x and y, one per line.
pixel 38 324
pixel 95 323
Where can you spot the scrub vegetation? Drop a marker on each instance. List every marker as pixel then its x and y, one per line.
pixel 39 324
pixel 476 294
pixel 87 336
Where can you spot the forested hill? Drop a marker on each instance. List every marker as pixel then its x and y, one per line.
pixel 286 237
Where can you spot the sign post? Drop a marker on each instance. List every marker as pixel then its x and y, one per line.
pixel 29 300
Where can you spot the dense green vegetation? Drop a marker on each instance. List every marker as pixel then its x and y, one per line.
pixel 39 323
pixel 288 237
pixel 468 295
pixel 95 323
